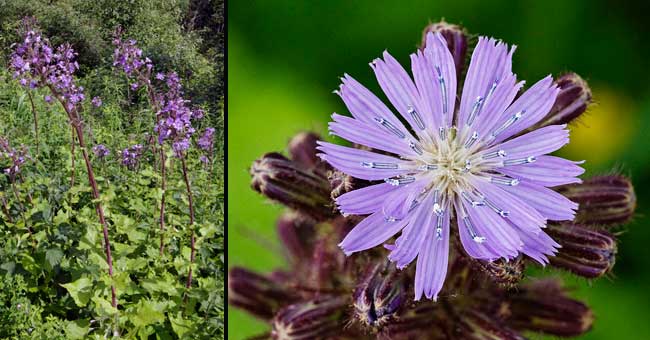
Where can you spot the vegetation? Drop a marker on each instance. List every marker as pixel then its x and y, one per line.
pixel 167 264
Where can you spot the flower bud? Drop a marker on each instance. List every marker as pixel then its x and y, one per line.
pixel 585 252
pixel 542 306
pixel 297 234
pixel 571 101
pixel 504 273
pixel 284 181
pixel 259 295
pixel 603 200
pixel 379 295
pixel 302 149
pixel 475 325
pixel 456 38
pixel 320 318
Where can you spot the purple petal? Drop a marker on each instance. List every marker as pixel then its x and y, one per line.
pixel 500 238
pixel 409 243
pixel 533 105
pixel 538 246
pixel 371 232
pixel 442 70
pixel 548 171
pixel 473 248
pixel 491 62
pixel 535 143
pixel 351 161
pixel 399 87
pixel 365 106
pixel 365 200
pixel 431 266
pixel 519 212
pixel 362 133
pixel 547 202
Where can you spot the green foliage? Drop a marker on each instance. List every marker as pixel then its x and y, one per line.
pixel 54 281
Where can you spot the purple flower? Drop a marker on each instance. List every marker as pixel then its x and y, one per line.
pixel 97 102
pixel 131 156
pixel 100 150
pixel 475 164
pixel 206 141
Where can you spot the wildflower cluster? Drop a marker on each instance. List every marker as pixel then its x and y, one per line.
pixel 36 64
pixel 16 157
pixel 128 57
pixel 175 117
pixel 101 151
pixel 326 293
pixel 131 156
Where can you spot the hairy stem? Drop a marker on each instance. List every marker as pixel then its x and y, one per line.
pixel 72 169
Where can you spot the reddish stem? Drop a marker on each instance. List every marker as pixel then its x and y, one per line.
pixel 162 201
pixel 31 100
pixel 72 170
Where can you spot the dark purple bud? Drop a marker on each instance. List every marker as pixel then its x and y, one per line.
pixel 320 318
pixel 379 295
pixel 475 325
pixel 456 38
pixel 572 100
pixel 504 273
pixel 543 306
pixel 259 295
pixel 302 149
pixel 585 252
pixel 604 200
pixel 297 234
pixel 286 182
pixel 342 183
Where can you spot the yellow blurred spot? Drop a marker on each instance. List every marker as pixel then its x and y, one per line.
pixel 603 131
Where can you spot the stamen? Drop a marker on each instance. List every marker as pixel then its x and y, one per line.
pixel 468 166
pixel 377 165
pixel 498 153
pixel 469 199
pixel 415 148
pixel 439 227
pixel 400 180
pixel 505 181
pixel 494 87
pixel 390 127
pixel 475 110
pixel 443 89
pixel 471 140
pixel 519 161
pixel 416 117
pixel 443 133
pixel 426 167
pixel 508 123
pixel 470 228
pixel 496 209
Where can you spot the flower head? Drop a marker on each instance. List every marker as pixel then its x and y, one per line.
pixel 96 101
pixel 131 156
pixel 470 165
pixel 206 141
pixel 101 151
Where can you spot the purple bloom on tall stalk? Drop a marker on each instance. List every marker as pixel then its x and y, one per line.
pixel 206 141
pixel 471 165
pixel 131 156
pixel 96 101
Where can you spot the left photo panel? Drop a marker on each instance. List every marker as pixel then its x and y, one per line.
pixel 112 169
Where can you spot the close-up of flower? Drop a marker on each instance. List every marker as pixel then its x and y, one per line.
pixel 474 163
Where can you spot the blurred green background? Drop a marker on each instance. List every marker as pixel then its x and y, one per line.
pixel 285 58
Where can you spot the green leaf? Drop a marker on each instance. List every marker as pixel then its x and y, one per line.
pixel 80 290
pixel 53 256
pixel 77 329
pixel 180 326
pixel 103 307
pixel 148 312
